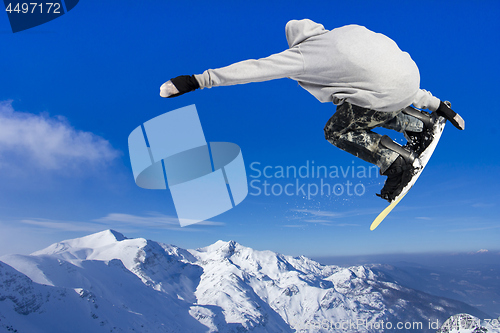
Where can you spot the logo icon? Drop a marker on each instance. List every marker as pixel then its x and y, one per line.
pixel 28 14
pixel 205 179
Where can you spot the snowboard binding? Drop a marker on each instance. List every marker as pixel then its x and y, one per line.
pixel 417 142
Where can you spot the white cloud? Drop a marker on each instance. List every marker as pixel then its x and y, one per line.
pixel 330 218
pixel 317 221
pixel 476 228
pixel 320 213
pixel 325 216
pixel 118 221
pixel 483 205
pixel 148 221
pixel 332 223
pixel 48 142
pixel 154 220
pixel 346 225
pixel 64 225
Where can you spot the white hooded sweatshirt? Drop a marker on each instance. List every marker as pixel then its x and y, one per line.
pixel 350 63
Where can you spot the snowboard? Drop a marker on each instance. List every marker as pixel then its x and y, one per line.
pixel 419 165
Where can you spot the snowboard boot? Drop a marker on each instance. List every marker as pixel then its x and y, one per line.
pixel 398 175
pixel 454 118
pixel 400 172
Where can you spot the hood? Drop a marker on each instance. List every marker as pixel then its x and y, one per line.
pixel 299 30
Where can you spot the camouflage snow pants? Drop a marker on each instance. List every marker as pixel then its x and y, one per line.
pixel 350 130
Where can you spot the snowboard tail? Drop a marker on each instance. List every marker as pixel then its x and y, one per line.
pixel 386 212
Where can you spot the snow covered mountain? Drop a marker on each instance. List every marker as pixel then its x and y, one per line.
pixel 465 323
pixel 106 282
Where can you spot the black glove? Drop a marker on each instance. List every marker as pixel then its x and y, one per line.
pixel 179 85
pixel 445 111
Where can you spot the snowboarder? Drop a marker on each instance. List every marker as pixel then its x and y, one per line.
pixel 364 73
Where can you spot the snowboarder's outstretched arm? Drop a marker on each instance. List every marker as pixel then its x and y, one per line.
pixel 285 64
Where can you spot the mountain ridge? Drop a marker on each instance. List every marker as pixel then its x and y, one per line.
pixel 224 287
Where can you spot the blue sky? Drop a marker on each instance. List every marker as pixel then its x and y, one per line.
pixel 73 89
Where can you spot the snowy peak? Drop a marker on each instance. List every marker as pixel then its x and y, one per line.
pixel 220 248
pixel 94 241
pixel 260 262
pixel 117 235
